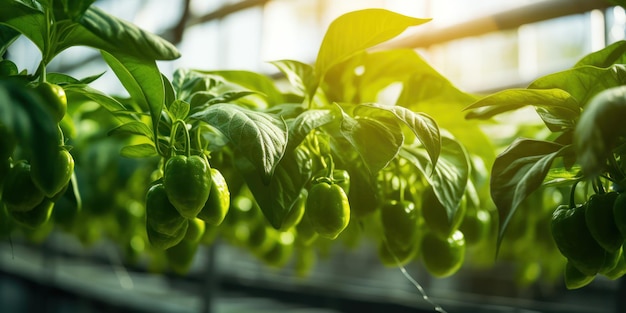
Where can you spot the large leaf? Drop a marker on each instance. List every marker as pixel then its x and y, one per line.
pixel 112 34
pixel 612 54
pixel 7 37
pixel 261 137
pixel 359 30
pixel 583 82
pixel 517 172
pixel 449 176
pixel 28 21
pixel 423 126
pixel 557 108
pixel 143 81
pixel 277 197
pixel 599 129
pixel 377 141
pixel 27 118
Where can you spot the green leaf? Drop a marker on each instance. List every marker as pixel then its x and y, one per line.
pixel 132 128
pixel 28 21
pixel 71 9
pixel 179 109
pixel 600 128
pixel 75 91
pixel 143 150
pixel 450 175
pixel 229 96
pixel 376 140
pixel 517 172
pixel 557 108
pixel 583 82
pixel 423 126
pixel 299 74
pixel 7 36
pixel 168 90
pixel 143 81
pixel 120 37
pixel 252 81
pixel 308 120
pixel 612 54
pixel 357 31
pixel 261 137
pixel 277 197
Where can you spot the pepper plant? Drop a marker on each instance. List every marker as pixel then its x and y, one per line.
pixel 328 154
pixel 582 154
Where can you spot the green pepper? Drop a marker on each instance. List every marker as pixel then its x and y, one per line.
pixel 436 216
pixel 573 239
pixel 51 178
pixel 35 217
pixel 340 177
pixel 54 98
pixel 161 215
pixel 7 142
pixel 164 241
pixel 187 182
pixel 619 212
pixel 216 207
pixel 399 220
pixel 601 221
pixel 19 192
pixel 328 209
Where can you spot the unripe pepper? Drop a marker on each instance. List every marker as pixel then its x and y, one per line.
pixel 187 182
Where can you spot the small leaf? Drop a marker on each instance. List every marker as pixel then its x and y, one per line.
pixel 299 74
pixel 517 172
pixel 557 108
pixel 252 81
pixel 106 101
pixel 143 150
pixel 179 109
pixel 308 120
pixel 449 176
pixel 60 78
pixel 261 137
pixel 600 128
pixel 376 140
pixel 612 54
pixel 423 126
pixel 357 31
pixel 132 128
pixel 229 97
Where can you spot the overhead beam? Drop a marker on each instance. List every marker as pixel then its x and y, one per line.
pixel 503 20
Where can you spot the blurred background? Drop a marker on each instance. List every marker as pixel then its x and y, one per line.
pixel 481 46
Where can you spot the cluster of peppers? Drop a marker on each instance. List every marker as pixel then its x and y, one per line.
pixel 29 188
pixel 591 236
pixel 180 204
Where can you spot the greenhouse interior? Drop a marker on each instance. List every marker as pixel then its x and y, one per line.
pixel 312 156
